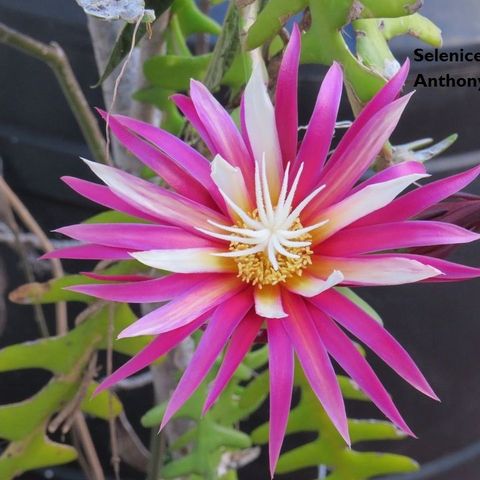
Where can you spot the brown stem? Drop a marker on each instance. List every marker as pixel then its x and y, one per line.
pixel 54 56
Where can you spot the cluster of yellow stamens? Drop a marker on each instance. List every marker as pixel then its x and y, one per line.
pixel 257 269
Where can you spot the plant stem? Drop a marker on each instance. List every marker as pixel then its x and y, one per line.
pixel 54 56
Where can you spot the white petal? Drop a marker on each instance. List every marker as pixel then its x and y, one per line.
pixel 362 203
pixel 262 130
pixel 268 302
pixel 309 286
pixel 188 260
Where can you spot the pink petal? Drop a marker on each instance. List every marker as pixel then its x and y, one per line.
pixel 341 348
pixel 88 252
pixel 239 346
pixel 372 334
pixel 186 106
pixel 218 331
pixel 390 173
pixel 318 137
pixel 373 269
pixel 451 272
pixel 148 291
pixel 389 236
pixel 174 173
pixel 268 301
pixel 383 98
pixel 357 157
pixel 281 369
pixel 163 204
pixel 416 201
pixel 158 347
pixel 134 236
pixel 286 108
pixel 208 293
pixel 314 360
pixel 116 278
pixel 104 196
pixel 222 132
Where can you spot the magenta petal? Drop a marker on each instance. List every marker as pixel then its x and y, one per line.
pixel 383 98
pixel 174 171
pixel 148 291
pixel 418 200
pixel 316 143
pixel 391 173
pixel 135 236
pixel 158 347
pixel 286 108
pixel 239 346
pixel 389 236
pixel 314 360
pixel 116 278
pixel 342 175
pixel 89 252
pixel 104 196
pixel 451 272
pixel 226 140
pixel 165 205
pixel 341 348
pixel 281 369
pixel 218 331
pixel 372 334
pixel 202 297
pixel 186 106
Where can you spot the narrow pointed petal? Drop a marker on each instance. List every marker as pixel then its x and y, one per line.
pixel 358 156
pixel 268 301
pixel 262 130
pixel 163 204
pixel 161 345
pixel 104 196
pixel 202 297
pixel 383 98
pixel 373 269
pixel 341 348
pixel 286 108
pixel 374 336
pixel 418 200
pixel 314 360
pixel 316 143
pixel 451 272
pixel 230 181
pixel 134 236
pixel 359 204
pixel 148 291
pixel 281 369
pixel 395 235
pixel 186 106
pixel 88 252
pixel 176 173
pixel 187 260
pixel 116 278
pixel 226 140
pixel 239 346
pixel 310 286
pixel 218 331
pixel 395 171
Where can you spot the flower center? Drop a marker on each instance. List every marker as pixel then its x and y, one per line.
pixel 270 244
pixel 257 269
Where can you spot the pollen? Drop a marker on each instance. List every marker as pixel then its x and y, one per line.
pixel 256 268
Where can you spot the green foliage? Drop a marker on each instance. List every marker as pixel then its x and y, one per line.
pixel 24 424
pixel 329 448
pixel 214 433
pixel 367 71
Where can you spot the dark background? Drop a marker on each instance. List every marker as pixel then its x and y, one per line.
pixel 438 324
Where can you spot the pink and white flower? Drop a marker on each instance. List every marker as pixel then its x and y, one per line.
pixel 260 237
